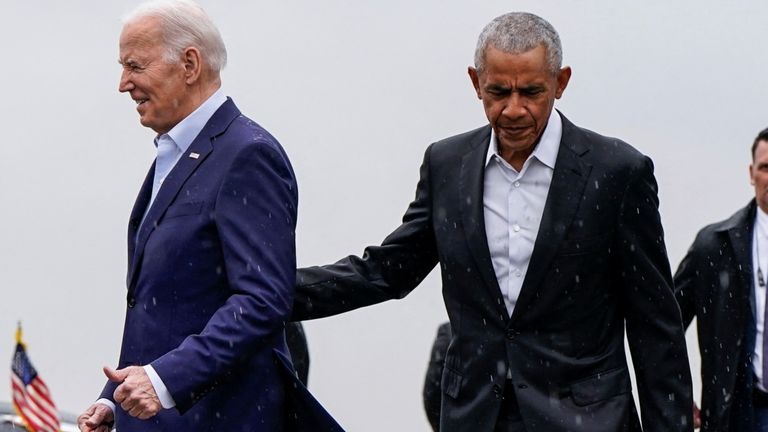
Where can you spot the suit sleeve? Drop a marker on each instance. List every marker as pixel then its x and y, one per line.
pixel 255 216
pixel 654 329
pixel 385 272
pixel 685 279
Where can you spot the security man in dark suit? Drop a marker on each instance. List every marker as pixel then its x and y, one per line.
pixel 722 282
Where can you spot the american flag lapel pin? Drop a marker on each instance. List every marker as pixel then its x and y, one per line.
pixel 194 155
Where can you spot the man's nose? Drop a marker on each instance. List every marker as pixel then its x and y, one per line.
pixel 125 83
pixel 515 106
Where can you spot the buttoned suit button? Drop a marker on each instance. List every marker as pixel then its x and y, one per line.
pixel 131 302
pixel 512 334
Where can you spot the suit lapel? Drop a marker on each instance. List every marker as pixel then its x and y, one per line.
pixel 137 214
pixel 178 176
pixel 565 194
pixel 471 178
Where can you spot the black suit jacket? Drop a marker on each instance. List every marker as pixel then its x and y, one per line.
pixel 599 260
pixel 714 283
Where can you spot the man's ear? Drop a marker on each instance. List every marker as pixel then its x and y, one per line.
pixel 192 65
pixel 563 76
pixel 475 80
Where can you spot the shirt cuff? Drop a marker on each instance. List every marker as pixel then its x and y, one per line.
pixel 108 403
pixel 166 400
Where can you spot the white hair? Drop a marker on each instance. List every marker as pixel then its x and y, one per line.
pixel 184 24
pixel 519 32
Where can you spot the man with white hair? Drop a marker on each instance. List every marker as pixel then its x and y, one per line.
pixel 211 248
pixel 549 240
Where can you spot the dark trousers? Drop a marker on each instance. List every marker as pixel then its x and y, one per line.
pixel 509 419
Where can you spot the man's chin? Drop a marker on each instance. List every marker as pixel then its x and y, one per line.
pixel 518 144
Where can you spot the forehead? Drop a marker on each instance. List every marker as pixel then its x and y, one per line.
pixel 531 64
pixel 761 151
pixel 140 34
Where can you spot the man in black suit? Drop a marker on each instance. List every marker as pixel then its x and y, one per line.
pixel 549 240
pixel 721 281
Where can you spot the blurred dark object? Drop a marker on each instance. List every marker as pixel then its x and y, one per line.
pixel 297 345
pixel 432 393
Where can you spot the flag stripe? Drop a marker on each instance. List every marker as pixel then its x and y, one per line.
pixel 43 401
pixel 29 420
pixel 45 414
pixel 29 411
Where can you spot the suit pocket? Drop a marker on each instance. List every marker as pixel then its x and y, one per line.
pixel 602 386
pixel 451 382
pixel 184 209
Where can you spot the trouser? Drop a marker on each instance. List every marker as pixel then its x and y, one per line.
pixel 509 419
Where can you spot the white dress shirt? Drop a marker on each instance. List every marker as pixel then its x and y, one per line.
pixel 178 139
pixel 759 261
pixel 513 204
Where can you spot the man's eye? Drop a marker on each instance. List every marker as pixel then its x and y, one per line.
pixel 531 92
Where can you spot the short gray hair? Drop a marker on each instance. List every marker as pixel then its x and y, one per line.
pixel 519 32
pixel 184 24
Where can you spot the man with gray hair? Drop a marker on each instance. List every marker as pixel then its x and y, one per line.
pixel 211 253
pixel 549 240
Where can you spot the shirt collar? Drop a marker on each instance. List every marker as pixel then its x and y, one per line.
pixel 189 128
pixel 547 147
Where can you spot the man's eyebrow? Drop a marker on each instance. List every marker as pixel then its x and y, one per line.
pixel 128 62
pixel 497 87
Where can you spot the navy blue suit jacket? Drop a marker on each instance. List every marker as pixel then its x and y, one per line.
pixel 211 275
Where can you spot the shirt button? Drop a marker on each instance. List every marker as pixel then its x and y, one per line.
pixel 516 228
pixel 517 184
pixel 518 274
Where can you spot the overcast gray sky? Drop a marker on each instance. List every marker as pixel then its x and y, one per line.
pixel 355 91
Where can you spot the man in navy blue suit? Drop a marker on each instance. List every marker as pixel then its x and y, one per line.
pixel 211 248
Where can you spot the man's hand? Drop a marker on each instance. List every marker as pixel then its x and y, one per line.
pixel 97 418
pixel 696 416
pixel 135 393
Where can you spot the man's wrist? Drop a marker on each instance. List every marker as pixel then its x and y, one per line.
pixel 108 403
pixel 166 400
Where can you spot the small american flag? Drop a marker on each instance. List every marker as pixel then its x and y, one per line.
pixel 31 397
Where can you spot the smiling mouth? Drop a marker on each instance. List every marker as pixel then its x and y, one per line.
pixel 140 101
